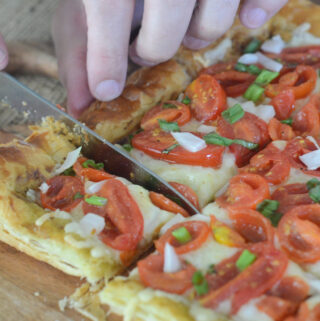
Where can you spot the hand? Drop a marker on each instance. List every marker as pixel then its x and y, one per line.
pixel 92 37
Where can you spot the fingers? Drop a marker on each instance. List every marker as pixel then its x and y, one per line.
pixel 69 34
pixel 109 24
pixel 254 13
pixel 211 20
pixel 4 56
pixel 164 25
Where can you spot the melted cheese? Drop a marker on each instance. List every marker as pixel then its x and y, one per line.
pixel 250 312
pixel 301 37
pixel 204 181
pixel 220 213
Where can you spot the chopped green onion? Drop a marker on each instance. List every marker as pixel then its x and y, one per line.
pixel 69 172
pixel 169 149
pixel 200 283
pixel 77 196
pixel 254 92
pixel 314 189
pixel 212 269
pixel 91 163
pixel 186 100
pixel 233 114
pixel 127 147
pixel 241 67
pixel 168 126
pixel 265 77
pixel 245 260
pixel 252 46
pixel 215 139
pixel 268 208
pixel 312 183
pixel 96 200
pixel 254 70
pixel 182 235
pixel 169 106
pixel 287 121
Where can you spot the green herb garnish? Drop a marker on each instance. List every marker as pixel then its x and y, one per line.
pixel 215 139
pixel 265 77
pixel 287 121
pixel 241 67
pixel 254 92
pixel 169 149
pixel 268 208
pixel 182 235
pixel 233 114
pixel 314 189
pixel 245 260
pixel 168 126
pixel 169 106
pixel 254 70
pixel 252 46
pixel 77 196
pixel 96 200
pixel 186 100
pixel 91 163
pixel 127 147
pixel 200 283
pixel 69 172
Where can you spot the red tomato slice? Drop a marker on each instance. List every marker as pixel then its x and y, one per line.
pixel 290 196
pixel 301 81
pixel 276 308
pixel 279 131
pixel 283 104
pixel 298 147
pixel 176 112
pixel 199 231
pixel 152 275
pixel 307 120
pixel 92 174
pixel 61 192
pixel 269 163
pixel 154 143
pixel 166 204
pixel 187 192
pixel 252 282
pixel 252 225
pixel 305 314
pixel 123 217
pixel 208 99
pixel 299 233
pixel 249 128
pixel 245 190
pixel 218 68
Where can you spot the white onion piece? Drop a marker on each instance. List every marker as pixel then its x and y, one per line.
pixel 269 63
pixel 70 160
pixel 264 112
pixel 273 45
pixel 172 262
pixel 178 218
pixel 200 217
pixel 312 140
pixel 189 141
pixel 311 160
pixel 93 188
pixel 204 129
pixel 44 188
pixel 248 59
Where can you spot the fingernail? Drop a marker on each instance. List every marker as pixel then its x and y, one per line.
pixel 256 17
pixel 107 90
pixel 3 58
pixel 194 43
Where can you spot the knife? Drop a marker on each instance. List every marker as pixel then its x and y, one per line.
pixel 16 101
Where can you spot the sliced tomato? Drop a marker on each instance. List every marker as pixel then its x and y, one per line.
pixel 279 131
pixel 276 308
pixel 166 204
pixel 208 99
pixel 252 282
pixel 298 147
pixel 170 111
pixel 198 230
pixel 249 128
pixel 301 81
pixel 156 143
pixel 307 120
pixel 123 217
pixel 245 190
pixel 252 225
pixel 290 196
pixel 92 174
pixel 269 163
pixel 283 104
pixel 299 233
pixel 306 313
pixel 218 68
pixel 187 192
pixel 152 275
pixel 61 193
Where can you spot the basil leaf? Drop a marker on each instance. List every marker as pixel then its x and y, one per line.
pixel 268 208
pixel 69 172
pixel 91 163
pixel 200 283
pixel 241 67
pixel 287 121
pixel 169 106
pixel 254 70
pixel 252 46
pixel 77 196
pixel 314 194
pixel 215 139
pixel 186 100
pixel 127 147
pixel 168 126
pixel 169 149
pixel 312 183
pixel 233 114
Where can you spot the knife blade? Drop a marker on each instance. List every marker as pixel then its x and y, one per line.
pixel 18 100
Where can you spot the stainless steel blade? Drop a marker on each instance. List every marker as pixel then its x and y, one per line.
pixel 17 100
